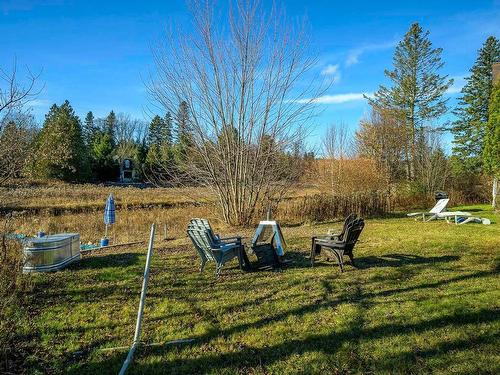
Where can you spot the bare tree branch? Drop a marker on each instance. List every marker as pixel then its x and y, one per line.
pixel 16 92
pixel 244 80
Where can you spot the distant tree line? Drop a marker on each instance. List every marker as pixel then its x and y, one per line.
pixel 67 149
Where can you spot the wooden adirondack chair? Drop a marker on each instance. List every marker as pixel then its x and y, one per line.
pixel 341 247
pixel 204 224
pixel 220 253
pixel 338 236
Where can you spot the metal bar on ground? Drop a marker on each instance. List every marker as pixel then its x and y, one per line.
pixel 138 324
pixel 116 245
pixel 173 342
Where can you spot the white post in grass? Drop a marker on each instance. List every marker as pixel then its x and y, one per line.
pixel 138 324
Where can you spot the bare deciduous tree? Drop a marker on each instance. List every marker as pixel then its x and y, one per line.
pixel 245 78
pixel 16 92
pixel 381 137
pixel 16 127
pixel 129 133
pixel 337 146
pixel 17 131
pixel 434 169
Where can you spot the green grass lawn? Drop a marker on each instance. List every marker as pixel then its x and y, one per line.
pixel 424 298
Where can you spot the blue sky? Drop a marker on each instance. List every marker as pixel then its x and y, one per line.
pixel 96 53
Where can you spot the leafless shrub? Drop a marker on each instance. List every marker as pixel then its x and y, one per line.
pixel 324 207
pixel 243 81
pixel 11 287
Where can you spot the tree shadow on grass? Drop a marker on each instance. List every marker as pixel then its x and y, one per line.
pixel 104 261
pixel 330 343
pixel 400 260
pixel 246 357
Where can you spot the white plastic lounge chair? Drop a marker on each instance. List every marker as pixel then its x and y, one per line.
pixel 433 213
pixel 460 217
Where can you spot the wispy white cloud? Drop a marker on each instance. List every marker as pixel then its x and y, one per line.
pixel 332 71
pixel 458 84
pixel 39 103
pixel 337 98
pixel 354 54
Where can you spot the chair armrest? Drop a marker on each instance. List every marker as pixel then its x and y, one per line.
pixel 332 233
pixel 325 236
pixel 227 247
pixel 415 214
pixel 332 245
pixel 327 242
pixel 420 214
pixel 230 238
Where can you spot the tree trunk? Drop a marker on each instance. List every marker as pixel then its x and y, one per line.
pixel 494 193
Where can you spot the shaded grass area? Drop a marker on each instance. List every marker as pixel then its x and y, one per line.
pixel 423 298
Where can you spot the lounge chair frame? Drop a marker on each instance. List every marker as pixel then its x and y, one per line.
pixel 433 213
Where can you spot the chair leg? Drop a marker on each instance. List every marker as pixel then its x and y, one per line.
pixel 218 270
pixel 202 265
pixel 313 250
pixel 240 258
pixel 351 257
pixel 338 255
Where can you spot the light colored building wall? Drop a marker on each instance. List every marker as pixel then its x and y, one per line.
pixel 496 72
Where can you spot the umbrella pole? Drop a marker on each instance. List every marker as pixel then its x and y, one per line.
pixel 106 232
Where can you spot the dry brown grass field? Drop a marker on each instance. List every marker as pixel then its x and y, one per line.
pixel 55 207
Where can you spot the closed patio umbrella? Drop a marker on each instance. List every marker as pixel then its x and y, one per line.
pixel 109 213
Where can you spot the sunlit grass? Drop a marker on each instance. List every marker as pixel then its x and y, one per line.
pixel 423 298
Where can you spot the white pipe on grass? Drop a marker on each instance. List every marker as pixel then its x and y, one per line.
pixel 138 324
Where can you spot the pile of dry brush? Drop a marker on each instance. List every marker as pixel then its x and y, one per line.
pixel 12 293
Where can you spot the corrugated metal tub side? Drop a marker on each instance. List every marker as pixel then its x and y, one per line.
pixel 51 253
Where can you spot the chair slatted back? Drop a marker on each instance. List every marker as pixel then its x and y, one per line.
pixel 348 221
pixel 203 224
pixel 353 232
pixel 201 241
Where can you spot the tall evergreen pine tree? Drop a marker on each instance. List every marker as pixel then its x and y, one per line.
pixel 110 125
pixel 159 157
pixel 416 92
pixel 89 128
pixel 160 130
pixel 168 130
pixel 184 135
pixel 60 151
pixel 472 112
pixel 183 128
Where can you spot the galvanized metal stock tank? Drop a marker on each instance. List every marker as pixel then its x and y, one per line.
pixel 51 253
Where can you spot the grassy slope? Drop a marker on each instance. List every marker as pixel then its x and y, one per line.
pixel 424 298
